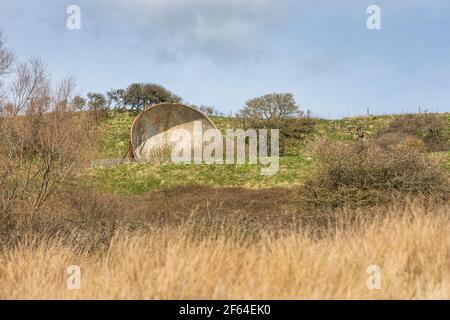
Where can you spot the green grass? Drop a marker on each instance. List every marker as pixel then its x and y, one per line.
pixel 115 130
pixel 115 134
pixel 346 128
pixel 140 178
pixel 223 123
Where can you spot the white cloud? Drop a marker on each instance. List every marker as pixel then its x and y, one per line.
pixel 217 28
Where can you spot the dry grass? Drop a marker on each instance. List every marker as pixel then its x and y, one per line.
pixel 410 245
pixel 430 129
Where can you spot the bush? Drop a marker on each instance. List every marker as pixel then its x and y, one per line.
pixel 429 128
pixel 278 111
pixel 44 143
pixel 364 173
pixel 293 132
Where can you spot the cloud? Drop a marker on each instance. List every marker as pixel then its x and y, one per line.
pixel 218 29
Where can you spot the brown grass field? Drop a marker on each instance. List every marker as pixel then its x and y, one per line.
pixel 410 244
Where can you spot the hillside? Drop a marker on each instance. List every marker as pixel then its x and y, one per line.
pixel 294 167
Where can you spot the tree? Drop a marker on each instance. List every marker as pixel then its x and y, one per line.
pixel 139 96
pixel 96 101
pixel 116 99
pixel 30 83
pixel 210 111
pixel 41 150
pixel 277 111
pixel 6 58
pixel 78 103
pixel 43 141
pixel 270 110
pixel 97 105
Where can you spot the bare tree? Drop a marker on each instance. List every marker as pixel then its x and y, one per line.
pixel 41 149
pixel 30 83
pixel 43 140
pixel 6 58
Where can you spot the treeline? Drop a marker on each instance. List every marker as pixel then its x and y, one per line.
pixel 271 111
pixel 136 97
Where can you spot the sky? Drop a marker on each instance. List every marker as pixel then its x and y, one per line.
pixel 225 52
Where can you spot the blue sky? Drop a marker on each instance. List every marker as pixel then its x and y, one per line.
pixel 225 52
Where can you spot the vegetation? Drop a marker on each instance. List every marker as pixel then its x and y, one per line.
pixel 364 173
pixel 210 111
pixel 140 178
pixel 430 129
pixel 349 194
pixel 294 169
pixel 409 245
pixel 97 105
pixel 138 96
pixel 43 140
pixel 6 58
pixel 276 111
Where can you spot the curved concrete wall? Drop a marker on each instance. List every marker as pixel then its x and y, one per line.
pixel 154 126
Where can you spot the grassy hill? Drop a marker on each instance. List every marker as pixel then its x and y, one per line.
pixel 140 178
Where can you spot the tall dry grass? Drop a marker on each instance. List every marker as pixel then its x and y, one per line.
pixel 410 245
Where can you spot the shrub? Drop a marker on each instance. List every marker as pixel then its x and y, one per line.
pixel 97 106
pixel 293 132
pixel 43 140
pixel 364 173
pixel 278 111
pixel 429 128
pixel 391 140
